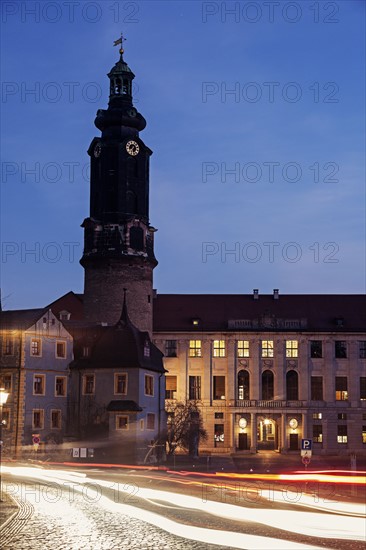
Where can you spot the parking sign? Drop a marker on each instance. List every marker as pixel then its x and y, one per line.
pixel 306 444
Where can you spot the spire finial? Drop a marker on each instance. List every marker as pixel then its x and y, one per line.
pixel 120 41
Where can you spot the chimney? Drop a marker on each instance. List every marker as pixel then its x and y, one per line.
pixel 255 293
pixel 275 293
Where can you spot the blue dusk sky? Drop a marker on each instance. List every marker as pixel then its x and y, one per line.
pixel 255 113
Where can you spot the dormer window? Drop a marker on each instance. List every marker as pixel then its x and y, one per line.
pixel 147 348
pixel 64 315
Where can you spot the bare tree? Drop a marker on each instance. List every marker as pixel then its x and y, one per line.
pixel 184 427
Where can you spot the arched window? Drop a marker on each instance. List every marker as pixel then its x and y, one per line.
pixel 131 200
pixel 117 87
pixel 243 384
pixel 267 384
pixel 292 385
pixel 137 238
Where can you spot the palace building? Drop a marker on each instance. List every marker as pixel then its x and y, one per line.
pixel 98 367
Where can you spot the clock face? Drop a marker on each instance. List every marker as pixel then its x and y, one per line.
pixel 293 423
pixel 132 112
pixel 97 150
pixel 132 148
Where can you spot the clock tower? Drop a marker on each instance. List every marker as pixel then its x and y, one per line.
pixel 118 239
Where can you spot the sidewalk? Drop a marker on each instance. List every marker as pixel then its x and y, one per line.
pixel 8 509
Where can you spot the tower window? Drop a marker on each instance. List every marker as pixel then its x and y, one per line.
pixel 137 238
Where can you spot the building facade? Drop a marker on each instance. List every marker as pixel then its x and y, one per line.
pixel 268 371
pixel 36 351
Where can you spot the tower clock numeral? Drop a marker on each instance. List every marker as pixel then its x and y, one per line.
pixel 132 148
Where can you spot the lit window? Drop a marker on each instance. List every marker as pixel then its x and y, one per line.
pixel 363 349
pixel 61 350
pixel 194 387
pixel 120 384
pixel 171 348
pixel 219 348
pixel 342 434
pixel 38 384
pixel 316 349
pixel 150 421
pixel 363 434
pixel 149 385
pixel 243 348
pixel 35 347
pixel 292 348
pixel 121 422
pixel 38 419
pixel 317 416
pixel 219 387
pixel 89 380
pixel 267 348
pixel 317 433
pixel 340 349
pixel 363 387
pixel 9 346
pixel 55 419
pixel 219 435
pixel 60 386
pixel 170 387
pixel 341 388
pixel 195 348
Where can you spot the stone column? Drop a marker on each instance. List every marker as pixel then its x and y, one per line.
pixel 253 432
pixel 304 422
pixel 256 370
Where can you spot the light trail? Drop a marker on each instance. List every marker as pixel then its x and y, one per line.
pixel 305 523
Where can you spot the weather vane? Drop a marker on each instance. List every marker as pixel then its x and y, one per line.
pixel 120 41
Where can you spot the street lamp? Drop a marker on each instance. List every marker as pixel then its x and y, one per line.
pixel 3 398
